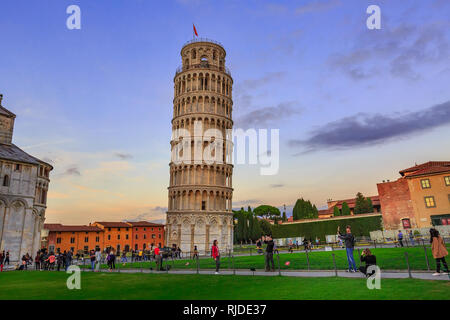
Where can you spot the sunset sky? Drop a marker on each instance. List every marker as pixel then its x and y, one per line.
pixel 354 106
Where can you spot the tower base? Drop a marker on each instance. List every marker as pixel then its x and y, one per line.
pixel 189 229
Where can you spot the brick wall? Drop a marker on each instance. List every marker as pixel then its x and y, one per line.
pixel 395 201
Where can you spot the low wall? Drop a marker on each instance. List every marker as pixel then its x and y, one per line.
pixel 392 234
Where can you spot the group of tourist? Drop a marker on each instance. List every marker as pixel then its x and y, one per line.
pixel 4 259
pixel 400 238
pixel 438 250
pixel 58 261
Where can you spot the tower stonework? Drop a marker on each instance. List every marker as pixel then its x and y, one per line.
pixel 200 190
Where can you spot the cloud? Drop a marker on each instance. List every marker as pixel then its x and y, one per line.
pixel 71 171
pixel 399 50
pixel 123 156
pixel 366 129
pixel 317 6
pixel 267 78
pixel 153 214
pixel 243 98
pixel 245 203
pixel 277 185
pixel 262 117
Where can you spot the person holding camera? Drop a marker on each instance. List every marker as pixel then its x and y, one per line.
pixel 269 253
pixel 369 259
pixel 349 240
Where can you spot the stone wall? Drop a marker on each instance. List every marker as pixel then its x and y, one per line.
pixel 396 204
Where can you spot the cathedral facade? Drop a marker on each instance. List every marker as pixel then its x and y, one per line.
pixel 200 188
pixel 24 182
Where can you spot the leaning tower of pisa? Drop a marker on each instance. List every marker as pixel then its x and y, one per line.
pixel 200 190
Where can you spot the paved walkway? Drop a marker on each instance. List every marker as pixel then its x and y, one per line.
pixel 318 273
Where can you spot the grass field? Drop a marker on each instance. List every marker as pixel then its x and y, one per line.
pixel 387 259
pixel 52 285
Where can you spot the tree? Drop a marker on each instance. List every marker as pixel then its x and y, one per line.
pixel 284 218
pixel 336 211
pixel 369 205
pixel 266 228
pixel 304 210
pixel 256 229
pixel 345 209
pixel 267 211
pixel 362 205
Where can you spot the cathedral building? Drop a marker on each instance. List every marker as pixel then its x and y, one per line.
pixel 24 182
pixel 200 190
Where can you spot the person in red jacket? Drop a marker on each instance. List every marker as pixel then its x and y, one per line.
pixel 216 255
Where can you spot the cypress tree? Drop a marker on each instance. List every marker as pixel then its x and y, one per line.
pixel 345 209
pixel 336 211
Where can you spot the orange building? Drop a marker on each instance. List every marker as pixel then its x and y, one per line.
pixel 419 198
pixel 75 238
pixel 118 235
pixel 122 236
pixel 146 233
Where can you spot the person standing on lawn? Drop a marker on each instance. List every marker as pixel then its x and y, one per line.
pixel 7 258
pixel 269 253
pixel 59 261
pixel 98 259
pixel 1 260
pixel 400 238
pixel 411 237
pixel 349 247
pixel 92 257
pixel 37 261
pixel 439 251
pixel 216 255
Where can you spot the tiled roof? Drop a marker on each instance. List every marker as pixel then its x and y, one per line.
pixel 426 168
pixel 351 202
pixel 6 112
pixel 113 224
pixel 144 224
pixel 61 228
pixel 14 153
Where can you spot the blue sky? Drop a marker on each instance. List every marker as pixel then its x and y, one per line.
pixel 354 106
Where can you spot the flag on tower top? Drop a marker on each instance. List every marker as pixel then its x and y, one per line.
pixel 195 30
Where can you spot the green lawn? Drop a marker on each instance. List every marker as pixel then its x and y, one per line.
pixel 387 259
pixel 52 285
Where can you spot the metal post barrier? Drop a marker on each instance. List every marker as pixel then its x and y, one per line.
pixel 407 263
pixel 426 258
pixel 167 265
pixel 359 257
pixel 279 267
pixel 307 258
pixel 250 251
pixel 197 264
pixel 335 267
pixel 232 260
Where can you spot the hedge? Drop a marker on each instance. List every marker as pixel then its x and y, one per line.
pixel 360 227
